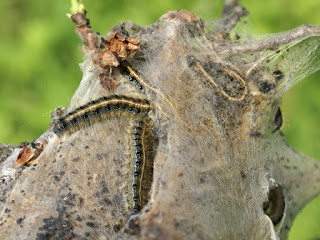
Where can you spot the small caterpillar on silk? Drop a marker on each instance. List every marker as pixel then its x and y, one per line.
pixel 227 81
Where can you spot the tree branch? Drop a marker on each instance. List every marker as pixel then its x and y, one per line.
pixel 89 37
pixel 231 14
pixel 300 33
pixel 229 5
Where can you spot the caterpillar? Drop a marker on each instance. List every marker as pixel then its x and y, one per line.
pixel 227 81
pixel 97 110
pixel 143 143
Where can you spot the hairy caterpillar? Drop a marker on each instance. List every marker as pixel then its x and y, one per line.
pixel 99 109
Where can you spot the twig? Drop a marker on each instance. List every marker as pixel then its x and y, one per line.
pixel 229 5
pixel 83 28
pixel 231 14
pixel 300 33
pixel 89 37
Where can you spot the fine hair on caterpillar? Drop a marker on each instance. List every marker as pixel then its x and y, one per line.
pixel 98 110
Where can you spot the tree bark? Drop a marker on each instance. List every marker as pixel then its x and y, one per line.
pixel 173 133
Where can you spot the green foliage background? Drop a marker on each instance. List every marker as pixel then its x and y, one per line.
pixel 40 54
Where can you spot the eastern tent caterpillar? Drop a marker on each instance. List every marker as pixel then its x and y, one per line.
pixel 225 74
pixel 144 144
pixel 141 84
pixel 97 110
pixel 136 83
pixel 133 77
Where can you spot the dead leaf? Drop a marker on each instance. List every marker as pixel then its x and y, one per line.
pixel 25 155
pixel 119 47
